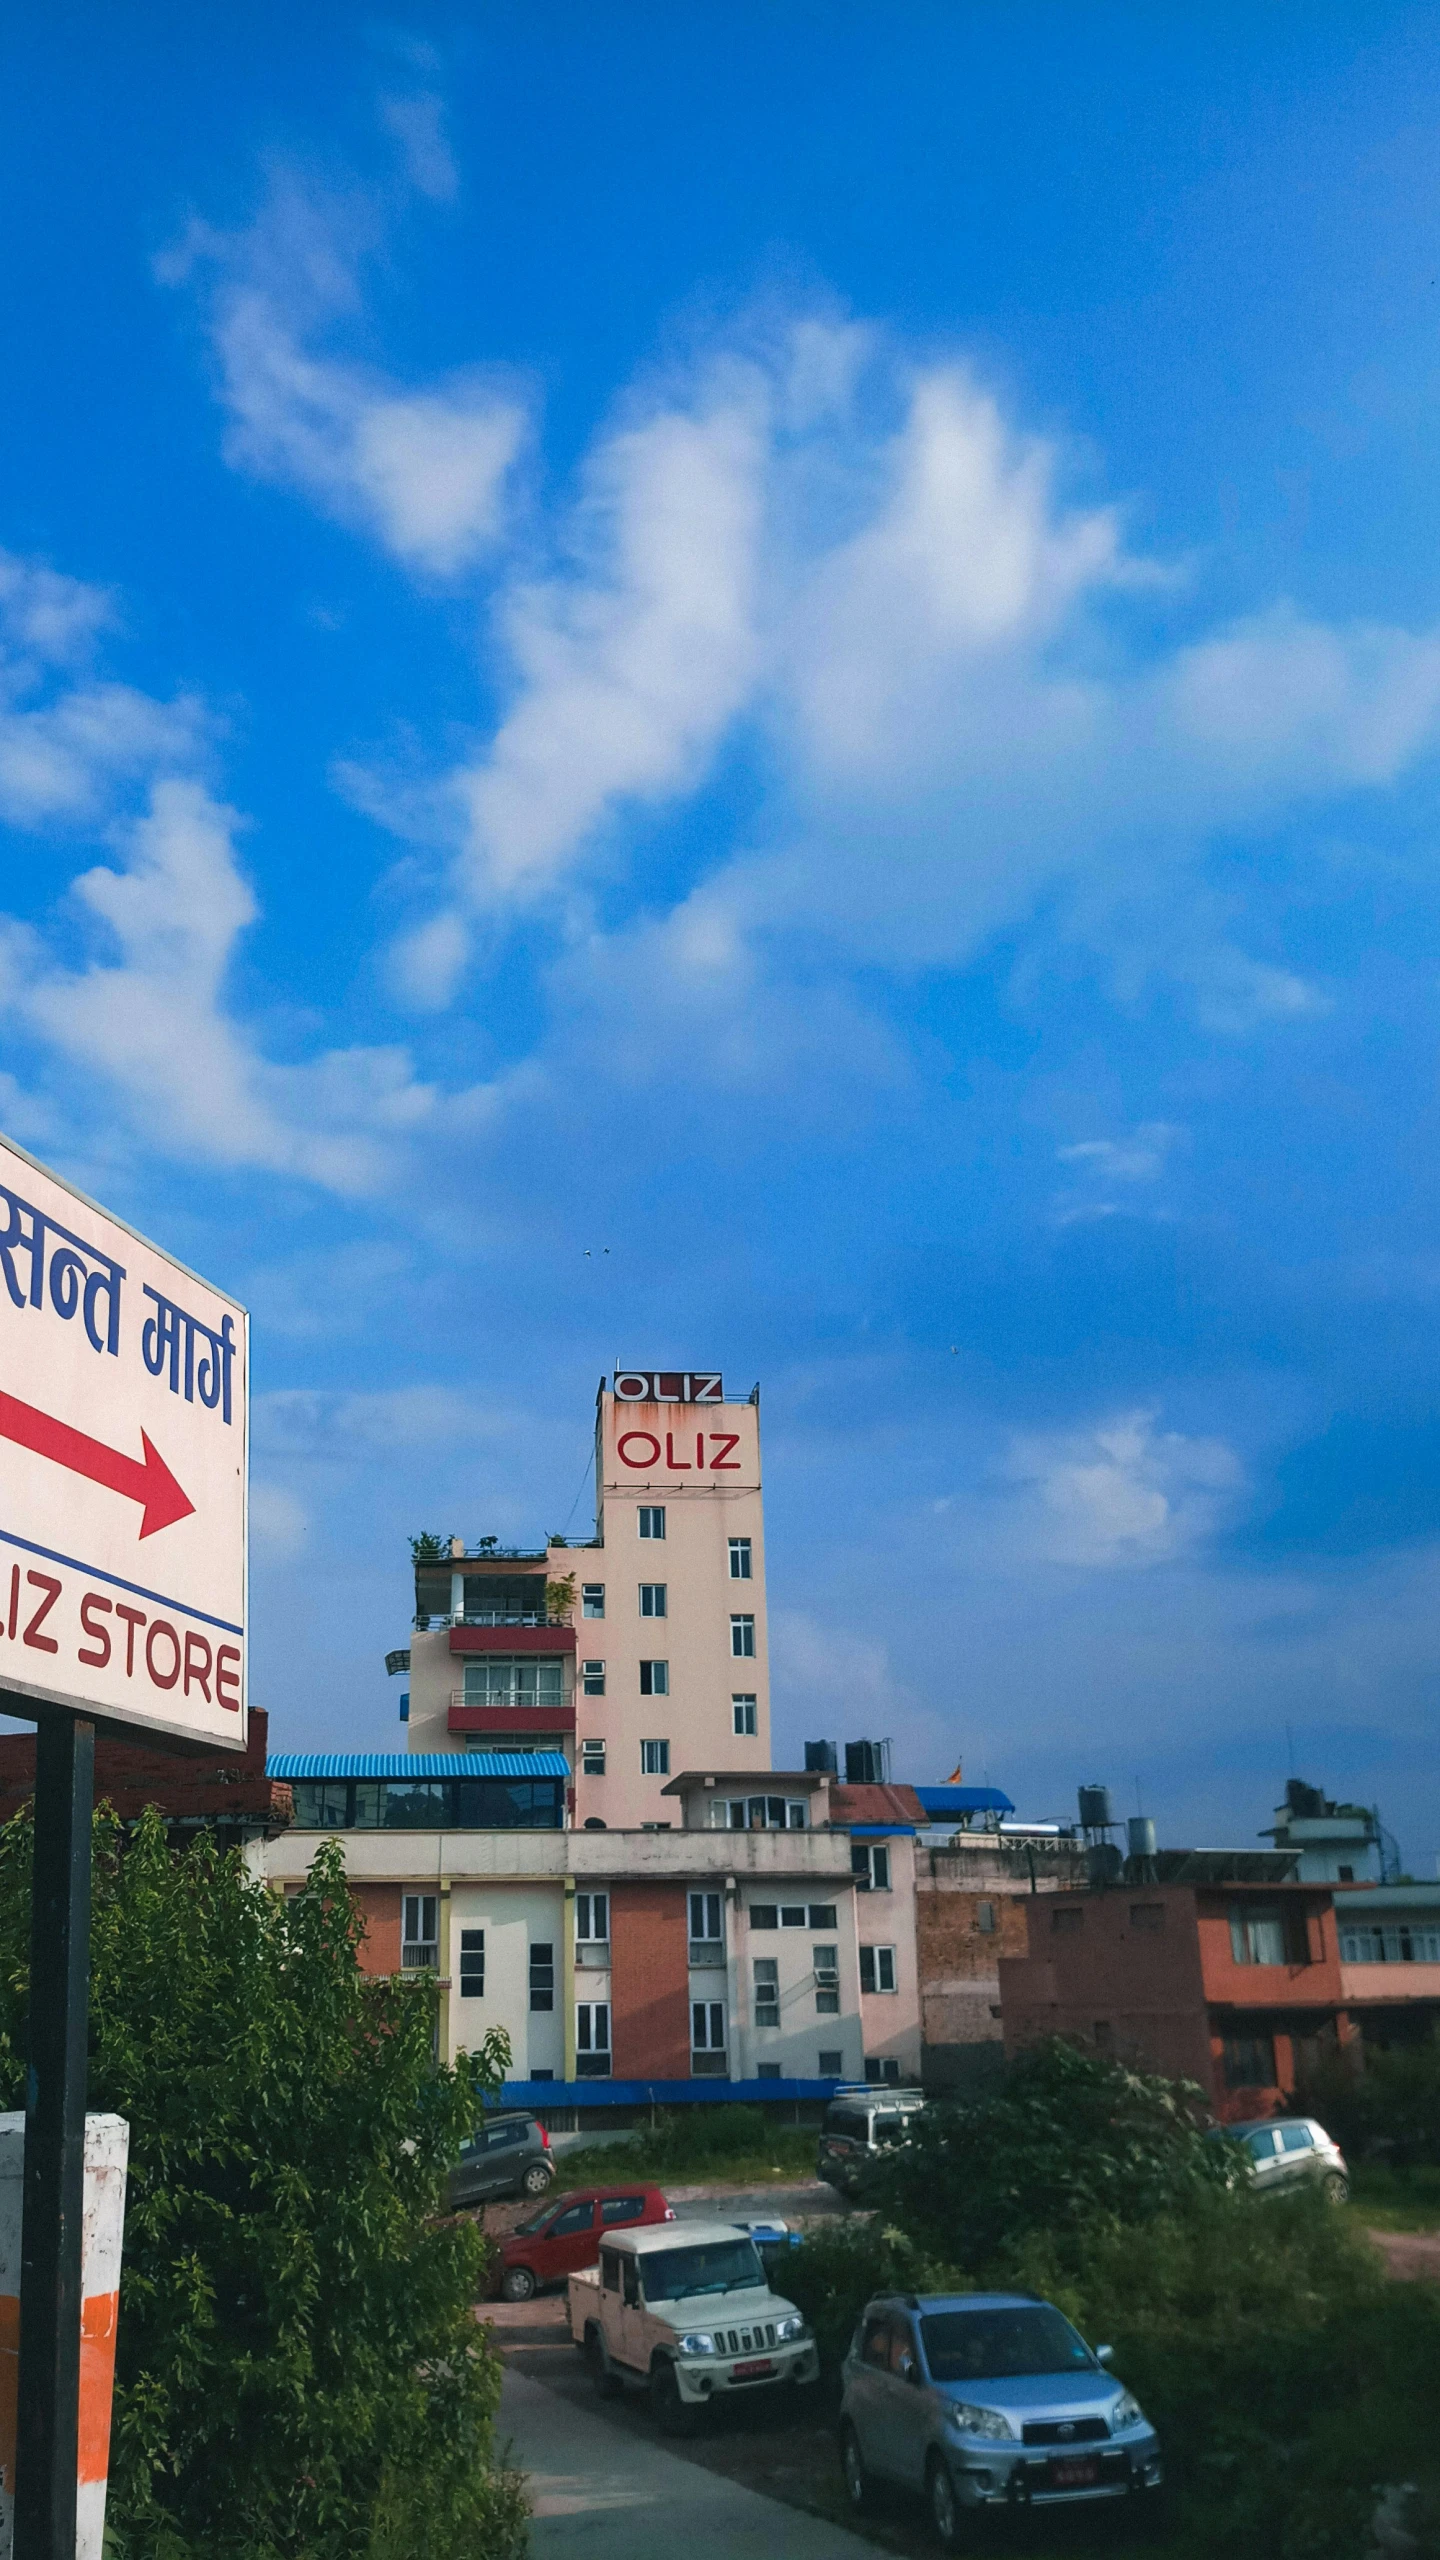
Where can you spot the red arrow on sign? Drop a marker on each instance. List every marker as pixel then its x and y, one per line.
pixel 147 1481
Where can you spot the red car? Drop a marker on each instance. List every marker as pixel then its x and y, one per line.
pixel 561 2237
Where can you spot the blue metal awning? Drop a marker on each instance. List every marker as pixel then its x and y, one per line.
pixel 400 1765
pixel 952 1804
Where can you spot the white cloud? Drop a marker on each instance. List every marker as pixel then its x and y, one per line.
pixel 279 1523
pixel 631 665
pixel 422 470
pixel 1121 1494
pixel 418 125
pixel 1138 1158
pixel 325 1423
pixel 152 1022
pixel 66 740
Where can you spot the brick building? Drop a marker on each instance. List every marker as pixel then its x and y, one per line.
pixel 227 1792
pixel 972 1894
pixel 1225 1972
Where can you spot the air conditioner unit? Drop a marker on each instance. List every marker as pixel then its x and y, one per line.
pixel 829 1975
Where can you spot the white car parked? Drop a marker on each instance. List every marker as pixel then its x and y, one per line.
pixel 689 2317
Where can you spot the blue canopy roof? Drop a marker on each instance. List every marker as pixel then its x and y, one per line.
pixel 418 1764
pixel 951 1804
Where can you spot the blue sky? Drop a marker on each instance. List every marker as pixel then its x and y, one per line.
pixel 762 686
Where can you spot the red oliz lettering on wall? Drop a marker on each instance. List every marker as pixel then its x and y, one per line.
pixel 641 1450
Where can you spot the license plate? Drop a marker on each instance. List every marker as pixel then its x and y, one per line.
pixel 751 2371
pixel 1078 2472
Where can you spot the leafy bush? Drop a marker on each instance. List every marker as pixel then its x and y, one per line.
pixel 837 2268
pixel 299 2368
pixel 700 2142
pixel 1287 2375
pixel 1069 2135
pixel 1380 2102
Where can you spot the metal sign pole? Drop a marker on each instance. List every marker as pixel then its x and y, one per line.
pixel 50 2267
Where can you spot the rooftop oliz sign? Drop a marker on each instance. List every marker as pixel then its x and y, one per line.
pixel 123 1470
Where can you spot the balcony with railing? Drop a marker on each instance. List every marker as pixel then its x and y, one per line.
pixel 447 1618
pixel 510 1715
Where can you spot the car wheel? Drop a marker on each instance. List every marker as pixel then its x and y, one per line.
pixel 676 2416
pixel 945 2510
pixel 859 2487
pixel 536 2179
pixel 608 2384
pixel 517 2284
pixel 1334 2188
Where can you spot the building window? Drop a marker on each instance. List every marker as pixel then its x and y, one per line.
pixel 592 1918
pixel 1100 2035
pixel 822 1915
pixel 1401 1943
pixel 1258 1935
pixel 744 1715
pixel 739 1559
pixel 592 1757
pixel 521 1680
pixel 985 1919
pixel 792 1915
pixel 707 2039
pixel 832 2065
pixel 472 1964
pixel 827 1982
pixel 767 2070
pixel 654 1759
pixel 592 1679
pixel 652 1600
pixel 1249 2062
pixel 652 1520
pixel 767 1992
pixel 706 1928
pixel 542 1976
pixel 881 2067
pixel 654 1679
pixel 742 1639
pixel 870 1862
pixel 592 1599
pixel 1067 1915
pixel 420 1932
pixel 592 2039
pixel 877 1968
pixel 764 1915
pixel 768 1813
pixel 1344 1875
pixel 1147 1915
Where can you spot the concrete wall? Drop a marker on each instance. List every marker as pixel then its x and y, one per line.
pixel 514 1917
pixel 890 2020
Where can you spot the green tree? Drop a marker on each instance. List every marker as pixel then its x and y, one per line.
pixel 1070 2134
pixel 299 2368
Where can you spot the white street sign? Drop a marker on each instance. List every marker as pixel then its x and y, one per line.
pixel 124 1467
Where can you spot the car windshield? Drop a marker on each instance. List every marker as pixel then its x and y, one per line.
pixel 720 2266
pixel 537 2221
pixel 989 2346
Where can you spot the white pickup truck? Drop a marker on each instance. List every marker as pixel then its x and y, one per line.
pixel 686 2311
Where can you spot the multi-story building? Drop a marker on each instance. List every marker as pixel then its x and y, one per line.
pixel 1331 1843
pixel 641 1651
pixel 701 1957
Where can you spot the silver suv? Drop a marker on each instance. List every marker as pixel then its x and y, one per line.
pixel 987 2400
pixel 1286 2152
pixel 860 2124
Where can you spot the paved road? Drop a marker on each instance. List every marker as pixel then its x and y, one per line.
pixel 601 2494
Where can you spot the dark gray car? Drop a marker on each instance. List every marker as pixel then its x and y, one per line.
pixel 506 2155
